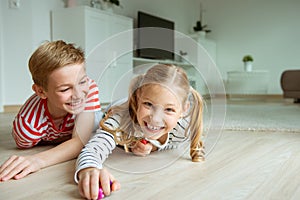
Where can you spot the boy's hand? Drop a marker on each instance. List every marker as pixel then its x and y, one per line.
pixel 142 148
pixel 18 167
pixel 89 180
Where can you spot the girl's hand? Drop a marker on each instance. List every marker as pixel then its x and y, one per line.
pixel 89 180
pixel 18 167
pixel 142 148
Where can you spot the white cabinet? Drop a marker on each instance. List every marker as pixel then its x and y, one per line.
pixel 201 55
pixel 97 32
pixel 209 46
pixel 247 83
pixel 141 65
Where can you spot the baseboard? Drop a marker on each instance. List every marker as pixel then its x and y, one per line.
pixel 268 97
pixel 271 98
pixel 11 108
pixel 255 96
pixel 246 96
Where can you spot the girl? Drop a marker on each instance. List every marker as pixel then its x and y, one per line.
pixel 162 111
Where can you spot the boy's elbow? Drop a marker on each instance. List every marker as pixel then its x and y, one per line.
pixel 21 143
pixel 23 146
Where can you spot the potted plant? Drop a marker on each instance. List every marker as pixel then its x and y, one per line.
pixel 116 2
pixel 248 60
pixel 108 4
pixel 201 28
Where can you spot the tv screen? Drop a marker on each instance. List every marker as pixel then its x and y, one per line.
pixel 156 42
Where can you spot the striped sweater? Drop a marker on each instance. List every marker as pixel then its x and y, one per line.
pixel 102 144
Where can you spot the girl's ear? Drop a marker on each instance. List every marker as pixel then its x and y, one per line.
pixel 186 109
pixel 39 91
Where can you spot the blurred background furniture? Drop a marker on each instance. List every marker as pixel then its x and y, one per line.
pixel 290 84
pixel 247 83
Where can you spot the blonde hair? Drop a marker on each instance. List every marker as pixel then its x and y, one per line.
pixel 171 77
pixel 51 56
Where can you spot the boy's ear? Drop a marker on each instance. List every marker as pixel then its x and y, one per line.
pixel 39 91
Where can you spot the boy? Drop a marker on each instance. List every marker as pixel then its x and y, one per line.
pixel 64 110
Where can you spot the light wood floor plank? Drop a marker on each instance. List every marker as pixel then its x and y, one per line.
pixel 242 165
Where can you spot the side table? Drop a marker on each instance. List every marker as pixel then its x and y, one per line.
pixel 247 83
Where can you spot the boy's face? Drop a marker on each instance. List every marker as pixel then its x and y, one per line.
pixel 67 90
pixel 158 111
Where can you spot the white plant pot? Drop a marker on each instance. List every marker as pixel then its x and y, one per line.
pixel 201 34
pixel 107 6
pixel 248 66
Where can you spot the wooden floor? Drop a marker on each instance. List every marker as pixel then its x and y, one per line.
pixel 242 165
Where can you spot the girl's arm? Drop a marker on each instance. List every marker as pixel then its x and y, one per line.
pixel 91 179
pixel 170 141
pixel 89 173
pixel 98 148
pixel 176 137
pixel 95 151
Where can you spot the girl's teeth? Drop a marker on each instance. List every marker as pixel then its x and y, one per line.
pixel 153 127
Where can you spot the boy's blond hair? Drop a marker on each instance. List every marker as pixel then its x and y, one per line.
pixel 51 56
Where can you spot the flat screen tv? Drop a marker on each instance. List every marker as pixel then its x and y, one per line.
pixel 156 42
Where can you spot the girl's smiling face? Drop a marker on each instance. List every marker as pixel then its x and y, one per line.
pixel 158 110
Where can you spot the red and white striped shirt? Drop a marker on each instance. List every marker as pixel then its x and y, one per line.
pixel 33 123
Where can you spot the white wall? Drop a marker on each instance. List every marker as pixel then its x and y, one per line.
pixel 183 12
pixel 17 37
pixel 267 29
pixel 1 64
pixel 25 28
